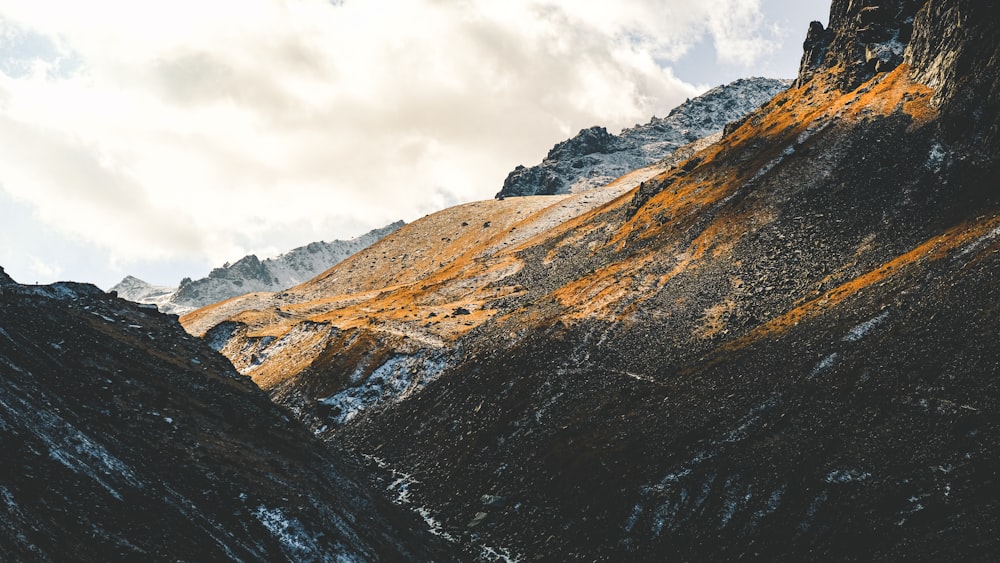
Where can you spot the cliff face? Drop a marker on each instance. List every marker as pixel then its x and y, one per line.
pixel 957 53
pixel 865 37
pixel 782 348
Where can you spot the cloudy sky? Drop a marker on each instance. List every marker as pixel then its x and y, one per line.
pixel 162 138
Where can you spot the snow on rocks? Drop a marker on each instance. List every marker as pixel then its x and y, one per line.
pixel 595 157
pixel 396 379
pixel 249 274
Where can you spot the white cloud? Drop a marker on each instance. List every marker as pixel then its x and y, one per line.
pixel 740 32
pixel 211 129
pixel 44 269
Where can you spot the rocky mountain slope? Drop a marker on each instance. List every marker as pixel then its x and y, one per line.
pixel 782 348
pixel 410 298
pixel 595 157
pixel 249 274
pixel 126 439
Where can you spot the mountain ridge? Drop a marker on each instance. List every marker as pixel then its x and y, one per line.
pixel 595 157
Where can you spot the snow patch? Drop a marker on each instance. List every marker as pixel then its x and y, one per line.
pixel 8 500
pixel 633 517
pixel 812 512
pixel 844 476
pixel 82 455
pixel 400 486
pixel 399 377
pixel 433 525
pixel 864 329
pixel 499 554
pixel 685 490
pixel 935 158
pixel 263 348
pixel 104 317
pixel 69 446
pixel 825 364
pixel 297 542
pixel 979 243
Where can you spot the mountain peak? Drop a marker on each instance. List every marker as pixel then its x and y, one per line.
pixel 595 157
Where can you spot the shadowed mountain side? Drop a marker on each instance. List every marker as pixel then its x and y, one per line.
pixel 126 439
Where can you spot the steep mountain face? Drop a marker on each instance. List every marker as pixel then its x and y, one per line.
pixel 781 348
pixel 249 274
pixel 595 157
pixel 864 38
pixel 126 439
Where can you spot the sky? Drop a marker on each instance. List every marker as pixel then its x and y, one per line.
pixel 161 139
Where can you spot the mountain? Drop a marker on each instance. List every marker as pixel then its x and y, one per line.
pixel 249 274
pixel 781 348
pixel 139 291
pixel 126 439
pixel 595 157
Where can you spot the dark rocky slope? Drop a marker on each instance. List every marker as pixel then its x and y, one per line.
pixel 125 439
pixel 783 348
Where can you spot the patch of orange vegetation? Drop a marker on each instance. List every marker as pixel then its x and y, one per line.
pixel 931 250
pixel 595 295
pixel 893 92
pixel 714 319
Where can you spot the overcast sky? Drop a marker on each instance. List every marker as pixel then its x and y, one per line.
pixel 163 138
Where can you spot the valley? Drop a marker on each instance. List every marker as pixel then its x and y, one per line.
pixel 776 341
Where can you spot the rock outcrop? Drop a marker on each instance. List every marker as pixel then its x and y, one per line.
pixel 864 38
pixel 595 157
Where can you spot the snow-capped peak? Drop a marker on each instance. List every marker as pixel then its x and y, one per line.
pixel 595 157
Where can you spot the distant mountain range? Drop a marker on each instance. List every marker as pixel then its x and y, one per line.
pixel 249 274
pixel 595 157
